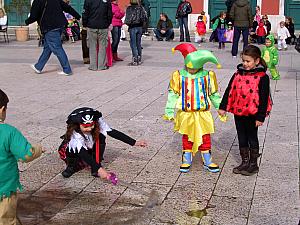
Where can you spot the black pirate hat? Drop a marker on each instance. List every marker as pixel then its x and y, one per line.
pixel 84 115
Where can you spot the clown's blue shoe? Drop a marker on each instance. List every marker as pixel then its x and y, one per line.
pixel 207 162
pixel 186 161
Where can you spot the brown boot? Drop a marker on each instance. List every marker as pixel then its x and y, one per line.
pixel 244 152
pixel 253 167
pixel 116 58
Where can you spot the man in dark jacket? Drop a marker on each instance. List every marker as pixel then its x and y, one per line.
pixel 51 19
pixel 164 28
pixel 183 10
pixel 242 17
pixel 97 16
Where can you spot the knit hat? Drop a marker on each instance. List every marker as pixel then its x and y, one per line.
pixel 195 59
pixel 84 115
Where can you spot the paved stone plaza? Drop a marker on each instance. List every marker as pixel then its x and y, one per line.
pixel 132 100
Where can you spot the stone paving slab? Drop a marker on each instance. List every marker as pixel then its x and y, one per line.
pixel 132 100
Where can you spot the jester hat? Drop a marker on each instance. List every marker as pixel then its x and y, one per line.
pixel 195 59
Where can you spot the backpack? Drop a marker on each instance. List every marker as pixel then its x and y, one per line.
pixel 135 15
pixel 184 9
pixel 297 45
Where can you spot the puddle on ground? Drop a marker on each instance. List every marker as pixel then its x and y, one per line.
pixel 37 210
pixel 141 215
pixel 197 213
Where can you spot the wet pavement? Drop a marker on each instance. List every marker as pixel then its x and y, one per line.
pixel 132 100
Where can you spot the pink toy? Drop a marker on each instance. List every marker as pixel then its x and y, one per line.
pixel 113 178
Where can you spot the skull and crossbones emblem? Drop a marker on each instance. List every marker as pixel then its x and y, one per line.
pixel 87 119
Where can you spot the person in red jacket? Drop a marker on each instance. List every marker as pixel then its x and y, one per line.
pixel 200 30
pixel 261 32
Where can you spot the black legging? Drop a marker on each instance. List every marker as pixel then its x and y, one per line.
pixel 247 131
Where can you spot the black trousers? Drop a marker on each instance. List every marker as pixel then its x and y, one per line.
pixel 116 35
pixel 85 49
pixel 246 131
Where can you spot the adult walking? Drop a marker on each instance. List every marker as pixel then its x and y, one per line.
pixel 117 23
pixel 242 17
pixel 51 19
pixel 183 10
pixel 97 16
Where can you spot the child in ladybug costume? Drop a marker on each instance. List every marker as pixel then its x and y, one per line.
pixel 248 98
pixel 192 90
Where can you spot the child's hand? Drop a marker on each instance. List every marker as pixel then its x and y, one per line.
pixel 103 174
pixel 258 123
pixel 222 112
pixel 167 118
pixel 141 143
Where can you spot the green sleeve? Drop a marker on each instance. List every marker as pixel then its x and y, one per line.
pixel 275 57
pixel 215 25
pixel 171 103
pixel 19 146
pixel 216 99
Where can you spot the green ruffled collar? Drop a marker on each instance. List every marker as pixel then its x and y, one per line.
pixel 201 73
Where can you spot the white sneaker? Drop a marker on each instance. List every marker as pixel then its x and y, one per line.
pixel 63 73
pixel 35 69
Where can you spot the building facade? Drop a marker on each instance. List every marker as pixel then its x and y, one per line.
pixel 275 9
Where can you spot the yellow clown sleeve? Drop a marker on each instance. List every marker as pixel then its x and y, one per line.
pixel 213 93
pixel 175 82
pixel 213 83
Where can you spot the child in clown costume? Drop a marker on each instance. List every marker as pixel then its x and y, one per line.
pixel 192 90
pixel 270 55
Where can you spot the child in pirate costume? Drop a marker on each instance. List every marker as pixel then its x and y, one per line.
pixel 192 90
pixel 13 148
pixel 270 55
pixel 84 142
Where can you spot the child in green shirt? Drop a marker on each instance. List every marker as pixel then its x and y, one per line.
pixel 14 147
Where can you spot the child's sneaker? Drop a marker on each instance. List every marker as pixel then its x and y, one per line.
pixel 35 69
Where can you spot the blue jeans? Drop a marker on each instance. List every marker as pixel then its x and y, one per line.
pixel 236 38
pixel 52 43
pixel 183 21
pixel 135 41
pixel 116 35
pixel 169 34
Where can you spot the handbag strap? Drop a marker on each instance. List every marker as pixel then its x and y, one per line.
pixel 43 12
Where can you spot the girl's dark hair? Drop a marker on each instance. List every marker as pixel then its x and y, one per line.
pixel 222 13
pixel 76 127
pixel 255 53
pixel 3 99
pixel 134 2
pixel 164 15
pixel 290 19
